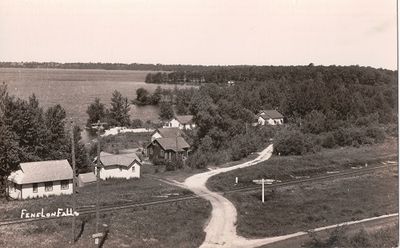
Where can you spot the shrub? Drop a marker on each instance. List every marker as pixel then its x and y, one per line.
pixel 376 133
pixel 290 142
pixel 328 140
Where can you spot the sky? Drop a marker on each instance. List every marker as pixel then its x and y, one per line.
pixel 209 32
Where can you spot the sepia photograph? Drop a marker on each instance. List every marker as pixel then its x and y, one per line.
pixel 199 123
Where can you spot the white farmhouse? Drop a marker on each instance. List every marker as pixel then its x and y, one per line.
pixel 119 165
pixel 38 179
pixel 270 117
pixel 181 122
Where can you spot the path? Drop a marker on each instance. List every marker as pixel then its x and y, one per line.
pixel 221 228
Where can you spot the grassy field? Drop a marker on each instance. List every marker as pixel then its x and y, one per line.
pixel 300 208
pixel 171 225
pixel 288 167
pixel 177 224
pixel 386 237
pixel 113 191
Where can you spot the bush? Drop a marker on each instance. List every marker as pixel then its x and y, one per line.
pixel 376 133
pixel 290 142
pixel 327 140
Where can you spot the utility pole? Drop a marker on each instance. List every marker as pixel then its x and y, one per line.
pixel 73 180
pixel 98 235
pixel 98 182
pixel 262 190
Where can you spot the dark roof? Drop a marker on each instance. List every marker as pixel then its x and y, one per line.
pixel 185 119
pixel 174 144
pixel 108 159
pixel 169 132
pixel 273 114
pixel 42 171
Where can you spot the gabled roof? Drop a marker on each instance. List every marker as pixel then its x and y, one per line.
pixel 169 132
pixel 184 119
pixel 174 144
pixel 273 114
pixel 108 159
pixel 42 171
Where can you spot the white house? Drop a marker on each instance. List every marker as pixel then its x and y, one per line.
pixel 38 179
pixel 181 122
pixel 270 117
pixel 119 165
pixel 166 133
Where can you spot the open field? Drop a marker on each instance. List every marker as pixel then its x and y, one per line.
pixel 300 208
pixel 112 192
pixel 381 233
pixel 288 167
pixel 171 225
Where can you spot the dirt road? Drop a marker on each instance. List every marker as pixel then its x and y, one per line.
pixel 221 228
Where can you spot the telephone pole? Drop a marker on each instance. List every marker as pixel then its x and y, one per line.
pixel 73 180
pixel 98 182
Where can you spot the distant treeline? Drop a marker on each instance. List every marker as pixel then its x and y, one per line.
pixel 105 66
pixel 348 74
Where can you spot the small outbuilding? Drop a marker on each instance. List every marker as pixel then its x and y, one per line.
pixel 119 165
pixel 86 179
pixel 39 179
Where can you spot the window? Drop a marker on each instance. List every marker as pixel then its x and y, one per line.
pixel 48 186
pixel 64 184
pixel 35 187
pixel 15 187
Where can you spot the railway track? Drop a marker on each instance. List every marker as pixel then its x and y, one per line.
pixel 84 210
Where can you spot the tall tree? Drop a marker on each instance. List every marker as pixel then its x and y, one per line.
pixel 166 111
pixel 119 112
pixel 96 112
pixel 57 141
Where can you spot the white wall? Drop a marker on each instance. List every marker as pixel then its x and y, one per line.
pixel 175 123
pixel 132 171
pixel 262 121
pixel 27 190
pixel 156 135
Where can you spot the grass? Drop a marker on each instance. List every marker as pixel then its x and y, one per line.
pixel 113 191
pixel 286 167
pixel 140 227
pixel 300 208
pixel 384 237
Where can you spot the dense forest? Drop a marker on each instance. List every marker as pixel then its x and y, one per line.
pixel 323 107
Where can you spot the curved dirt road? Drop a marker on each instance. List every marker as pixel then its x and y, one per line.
pixel 221 228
